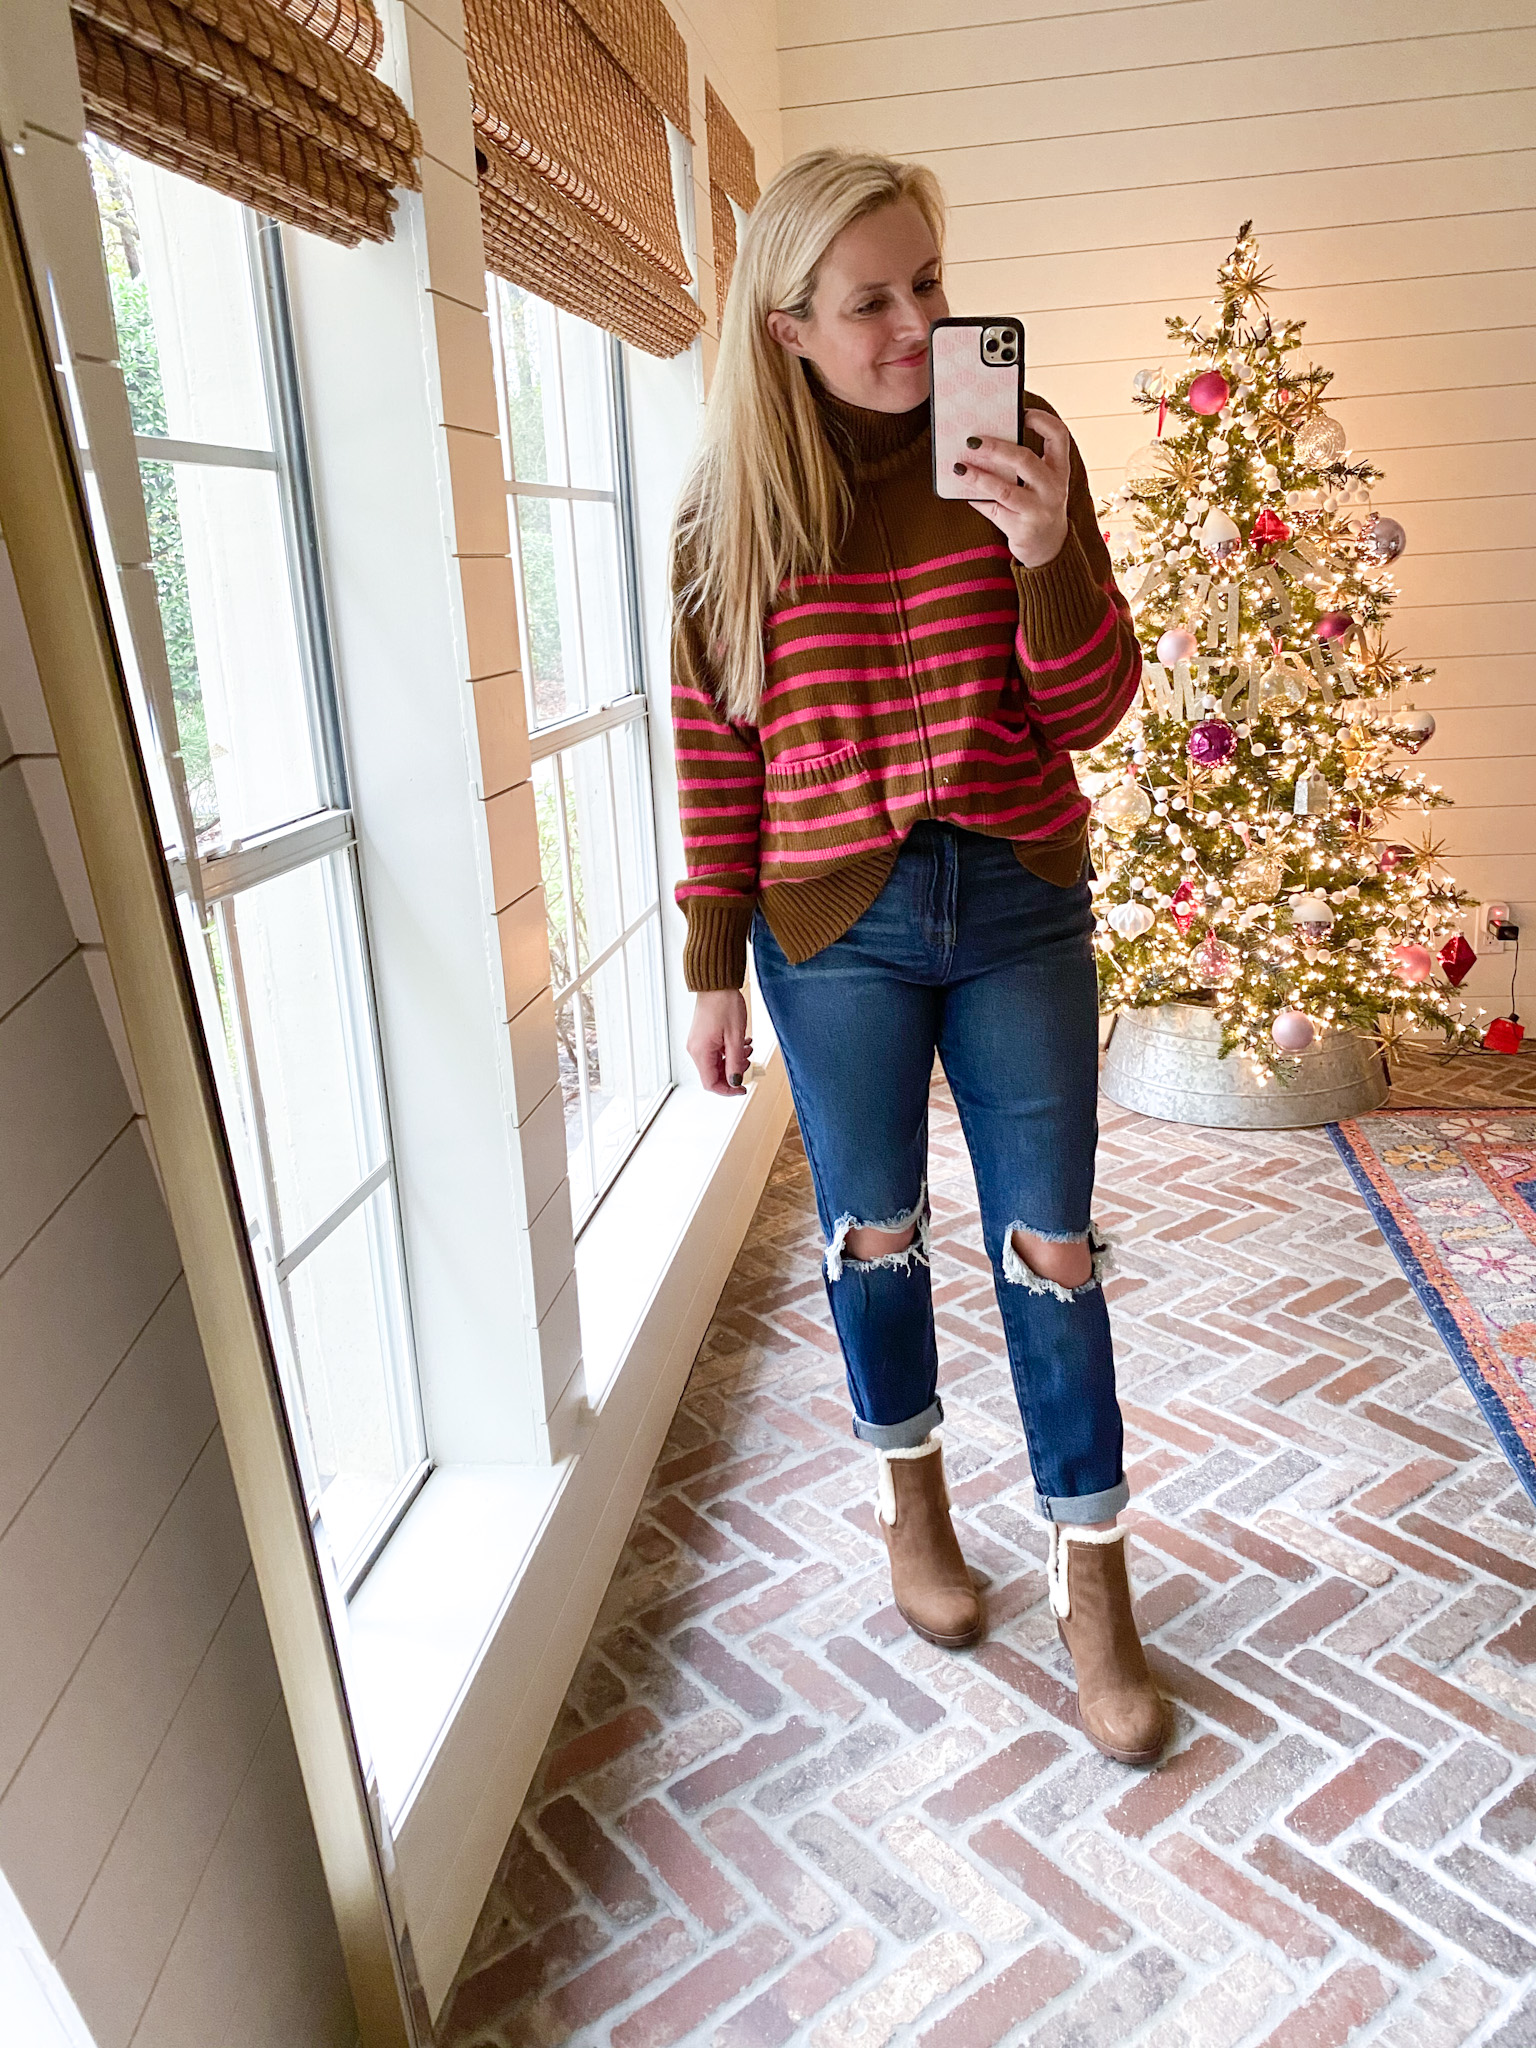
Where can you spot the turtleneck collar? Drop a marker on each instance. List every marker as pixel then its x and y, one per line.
pixel 874 441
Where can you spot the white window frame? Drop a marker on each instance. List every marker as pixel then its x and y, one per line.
pixel 563 736
pixel 209 887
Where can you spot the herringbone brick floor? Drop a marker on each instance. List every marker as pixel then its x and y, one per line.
pixel 770 1814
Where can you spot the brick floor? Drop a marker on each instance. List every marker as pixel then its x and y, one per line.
pixel 769 1814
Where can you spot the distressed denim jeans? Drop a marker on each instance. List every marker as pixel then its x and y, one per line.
pixel 966 954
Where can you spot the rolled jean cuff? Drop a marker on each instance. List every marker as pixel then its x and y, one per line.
pixel 1083 1507
pixel 899 1436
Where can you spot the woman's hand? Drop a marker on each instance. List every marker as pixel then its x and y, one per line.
pixel 718 1043
pixel 1029 507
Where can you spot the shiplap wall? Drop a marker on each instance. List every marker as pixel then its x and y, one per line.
pixel 1098 161
pixel 153 1826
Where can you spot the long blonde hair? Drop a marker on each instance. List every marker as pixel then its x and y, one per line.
pixel 766 498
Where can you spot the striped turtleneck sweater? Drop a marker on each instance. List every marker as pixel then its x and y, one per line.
pixel 928 676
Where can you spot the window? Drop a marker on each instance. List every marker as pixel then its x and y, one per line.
pixel 242 735
pixel 561 383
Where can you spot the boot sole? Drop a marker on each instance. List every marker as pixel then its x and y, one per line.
pixel 1126 1756
pixel 960 1642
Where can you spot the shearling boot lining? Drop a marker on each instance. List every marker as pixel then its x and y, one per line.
pixel 1063 1536
pixel 887 1484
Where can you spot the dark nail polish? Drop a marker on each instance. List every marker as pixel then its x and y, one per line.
pixel 959 469
pixel 973 440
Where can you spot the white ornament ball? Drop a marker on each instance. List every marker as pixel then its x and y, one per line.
pixel 1149 383
pixel 1291 1031
pixel 1177 644
pixel 1130 920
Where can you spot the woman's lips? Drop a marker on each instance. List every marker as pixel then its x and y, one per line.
pixel 907 362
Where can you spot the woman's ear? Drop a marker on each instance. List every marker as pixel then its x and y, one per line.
pixel 785 329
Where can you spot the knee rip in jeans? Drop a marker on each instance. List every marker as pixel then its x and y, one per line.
pixel 914 1252
pixel 1019 1270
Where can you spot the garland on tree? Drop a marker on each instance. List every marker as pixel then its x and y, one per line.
pixel 1247 809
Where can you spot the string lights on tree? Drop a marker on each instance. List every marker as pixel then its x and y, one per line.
pixel 1250 814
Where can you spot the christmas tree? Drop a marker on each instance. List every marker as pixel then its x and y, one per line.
pixel 1249 812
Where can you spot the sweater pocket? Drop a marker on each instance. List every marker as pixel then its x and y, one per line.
pixel 806 771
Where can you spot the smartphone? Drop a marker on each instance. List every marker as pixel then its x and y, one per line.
pixel 975 386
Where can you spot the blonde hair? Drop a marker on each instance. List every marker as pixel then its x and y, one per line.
pixel 766 499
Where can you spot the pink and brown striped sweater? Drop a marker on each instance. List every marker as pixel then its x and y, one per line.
pixel 929 676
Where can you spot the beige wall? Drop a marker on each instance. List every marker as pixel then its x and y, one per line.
pixel 1098 162
pixel 153 1824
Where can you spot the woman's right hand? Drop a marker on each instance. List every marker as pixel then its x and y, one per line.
pixel 718 1043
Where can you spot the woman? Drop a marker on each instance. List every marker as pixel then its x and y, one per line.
pixel 874 693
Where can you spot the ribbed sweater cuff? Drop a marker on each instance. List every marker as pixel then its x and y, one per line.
pixel 1060 606
pixel 715 951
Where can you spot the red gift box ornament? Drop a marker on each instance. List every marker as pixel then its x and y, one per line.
pixel 1183 907
pixel 1503 1035
pixel 1458 959
pixel 1268 530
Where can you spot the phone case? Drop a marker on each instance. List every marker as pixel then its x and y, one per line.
pixel 967 394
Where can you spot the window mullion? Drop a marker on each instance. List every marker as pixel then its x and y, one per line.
pixel 583 1079
pixel 565 447
pixel 602 959
pixel 586 725
pixel 618 884
pixel 290 1262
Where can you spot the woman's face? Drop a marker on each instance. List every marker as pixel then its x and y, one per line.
pixel 878 290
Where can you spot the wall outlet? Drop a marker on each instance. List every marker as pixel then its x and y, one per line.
pixel 1489 917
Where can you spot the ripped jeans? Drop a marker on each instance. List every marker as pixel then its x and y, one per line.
pixel 967 954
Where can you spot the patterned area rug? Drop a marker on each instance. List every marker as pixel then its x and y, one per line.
pixel 1454 1192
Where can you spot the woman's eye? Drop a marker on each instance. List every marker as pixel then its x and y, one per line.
pixel 927 284
pixel 870 306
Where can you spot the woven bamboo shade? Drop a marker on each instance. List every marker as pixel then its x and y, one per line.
pixel 350 26
pixel 575 168
pixel 732 175
pixel 271 104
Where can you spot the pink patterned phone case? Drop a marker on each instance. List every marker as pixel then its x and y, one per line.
pixel 976 386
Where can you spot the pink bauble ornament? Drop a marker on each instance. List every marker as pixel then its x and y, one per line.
pixel 1177 644
pixel 1334 625
pixel 1212 963
pixel 1291 1031
pixel 1412 964
pixel 1209 392
pixel 1394 856
pixel 1211 742
pixel 1183 907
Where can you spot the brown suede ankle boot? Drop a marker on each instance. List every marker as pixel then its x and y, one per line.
pixel 1121 1710
pixel 932 1587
